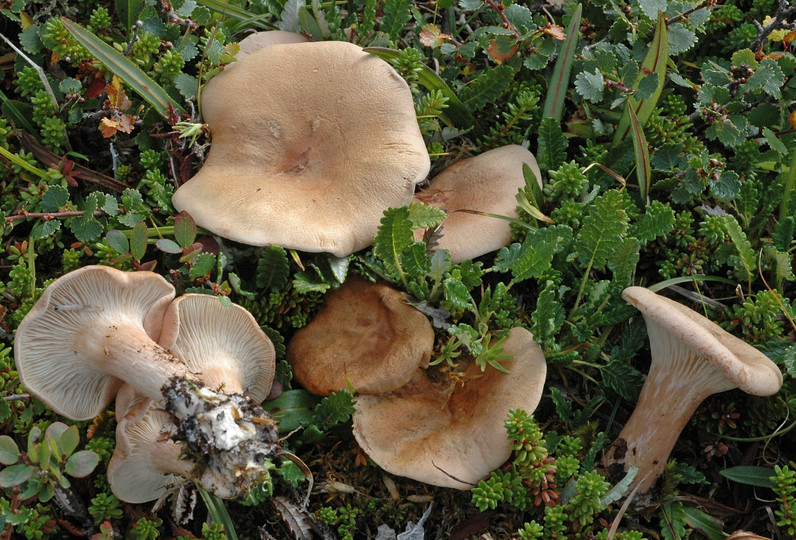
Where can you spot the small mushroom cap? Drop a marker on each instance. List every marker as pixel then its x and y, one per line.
pixel 223 345
pixel 417 433
pixel 486 183
pixel 312 142
pixel 146 462
pixel 47 345
pixel 740 364
pixel 365 334
pixel 260 40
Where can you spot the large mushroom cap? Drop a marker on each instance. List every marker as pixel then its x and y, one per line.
pixel 365 334
pixel 222 345
pixel 417 433
pixel 486 183
pixel 260 40
pixel 311 143
pixel 736 363
pixel 49 341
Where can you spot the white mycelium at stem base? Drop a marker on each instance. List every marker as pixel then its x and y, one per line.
pixel 692 358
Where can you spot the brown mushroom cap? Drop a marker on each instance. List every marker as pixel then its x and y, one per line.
pixel 366 334
pixel 486 183
pixel 311 143
pixel 417 433
pixel 222 345
pixel 146 462
pixel 692 358
pixel 60 346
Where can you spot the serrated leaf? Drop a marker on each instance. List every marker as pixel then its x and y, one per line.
pixel 774 142
pixel 657 221
pixel 335 408
pixel 86 228
pixel 784 233
pixel 138 241
pixel 624 262
pixel 118 241
pixel 304 283
pixel 294 518
pixel 186 85
pixel 726 187
pixel 394 235
pixel 603 230
pixel 423 216
pixel 124 68
pixel 742 245
pixel 54 199
pixel 730 130
pixel 397 14
pixel 750 475
pixel 620 489
pixel 273 268
pixel 487 87
pixel 672 521
pixel 647 86
pixel 681 39
pixel 184 229
pixel 45 229
pixel 414 260
pixel 622 378
pixel 652 7
pixel 533 257
pixel 457 294
pixel 552 145
pixel 549 315
pixel 654 62
pixel 9 451
pixel 559 82
pixel 203 264
pixel 590 85
pixel 768 77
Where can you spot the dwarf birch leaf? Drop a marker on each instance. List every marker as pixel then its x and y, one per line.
pixel 652 7
pixel 54 198
pixel 680 39
pixel 590 85
pixel 202 265
pixel 45 229
pixel 768 77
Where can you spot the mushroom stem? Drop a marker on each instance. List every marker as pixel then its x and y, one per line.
pixel 672 392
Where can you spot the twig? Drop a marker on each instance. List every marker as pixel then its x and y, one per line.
pixel 499 10
pixel 129 49
pixel 781 16
pixel 686 13
pixel 47 216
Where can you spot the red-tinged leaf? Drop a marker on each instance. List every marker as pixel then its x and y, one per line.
pixel 554 30
pixel 557 92
pixel 184 229
pixel 495 52
pixel 168 246
pixel 432 37
pixel 117 99
pixel 95 89
pixel 108 127
pixel 643 171
pixel 138 241
pixel 118 241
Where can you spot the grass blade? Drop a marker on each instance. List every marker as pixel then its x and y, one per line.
pixel 655 62
pixel 123 68
pixel 557 92
pixel 455 112
pixel 218 512
pixel 244 18
pixel 643 171
pixel 751 475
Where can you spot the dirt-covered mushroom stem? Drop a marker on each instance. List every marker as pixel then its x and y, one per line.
pixel 691 358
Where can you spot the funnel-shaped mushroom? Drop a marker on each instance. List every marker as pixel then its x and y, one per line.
pixel 486 183
pixel 365 334
pixel 223 346
pixel 692 358
pixel 89 329
pixel 451 441
pixel 146 462
pixel 311 143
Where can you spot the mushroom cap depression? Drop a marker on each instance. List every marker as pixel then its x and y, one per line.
pixel 49 341
pixel 416 432
pixel 365 334
pixel 730 362
pixel 312 142
pixel 260 40
pixel 486 183
pixel 222 345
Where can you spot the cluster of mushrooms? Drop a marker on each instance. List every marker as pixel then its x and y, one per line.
pixel 313 166
pixel 187 369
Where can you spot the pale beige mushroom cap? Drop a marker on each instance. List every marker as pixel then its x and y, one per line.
pixel 417 433
pixel 54 343
pixel 366 335
pixel 146 462
pixel 486 183
pixel 223 346
pixel 260 40
pixel 312 142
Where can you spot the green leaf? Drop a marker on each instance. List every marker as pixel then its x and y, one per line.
pixel 549 315
pixel 55 198
pixel 768 77
pixel 81 463
pixel 672 521
pixel 784 233
pixel 45 229
pixel 742 246
pixel 9 451
pixel 727 186
pixel 423 216
pixel 138 241
pixel 414 260
pixel 557 91
pixel 184 229
pixel 622 378
pixel 15 475
pixel 655 62
pixel 620 489
pixel 118 241
pixel 603 230
pixel 552 145
pixel 774 142
pixel 292 409
pixel 750 475
pixel 624 262
pixel 186 85
pixel 335 408
pixel 273 268
pixel 657 221
pixel 704 523
pixel 394 235
pixel 487 87
pixel 681 39
pixel 652 7
pixel 590 85
pixel 128 11
pixel 203 264
pixel 168 246
pixel 457 294
pixel 124 68
pixel 304 283
pixel 396 14
pixel 68 440
pixel 535 255
pixel 643 172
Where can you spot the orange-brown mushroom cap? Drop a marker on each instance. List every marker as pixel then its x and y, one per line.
pixel 312 142
pixel 487 183
pixel 365 334
pixel 417 433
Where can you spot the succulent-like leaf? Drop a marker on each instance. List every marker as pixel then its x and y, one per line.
pixel 69 440
pixel 118 241
pixel 138 240
pixel 9 451
pixel 81 463
pixel 15 475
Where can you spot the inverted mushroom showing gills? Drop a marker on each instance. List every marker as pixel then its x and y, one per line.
pixel 365 335
pixel 487 183
pixel 312 142
pixel 452 440
pixel 692 358
pixel 93 328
